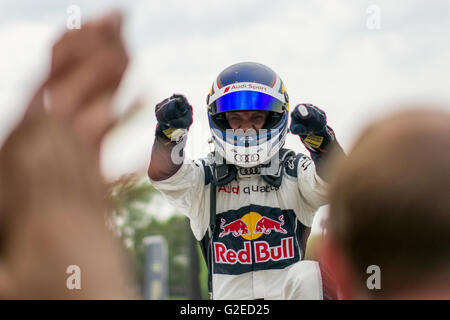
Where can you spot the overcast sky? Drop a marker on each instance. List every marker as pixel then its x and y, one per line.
pixel 355 59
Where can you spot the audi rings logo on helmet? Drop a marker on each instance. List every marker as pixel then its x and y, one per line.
pixel 246 157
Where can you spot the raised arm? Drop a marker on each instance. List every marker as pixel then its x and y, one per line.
pixel 174 117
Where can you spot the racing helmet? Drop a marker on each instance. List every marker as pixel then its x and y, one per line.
pixel 248 86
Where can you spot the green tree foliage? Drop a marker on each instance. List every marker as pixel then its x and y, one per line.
pixel 134 219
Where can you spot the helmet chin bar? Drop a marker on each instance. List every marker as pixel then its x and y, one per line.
pixel 248 150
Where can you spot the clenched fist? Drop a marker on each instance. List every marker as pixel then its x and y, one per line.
pixel 310 123
pixel 174 117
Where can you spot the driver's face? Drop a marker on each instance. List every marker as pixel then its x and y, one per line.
pixel 246 119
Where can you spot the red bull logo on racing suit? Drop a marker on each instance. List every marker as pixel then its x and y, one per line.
pixel 255 240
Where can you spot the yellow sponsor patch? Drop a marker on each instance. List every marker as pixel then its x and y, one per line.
pixel 170 132
pixel 313 141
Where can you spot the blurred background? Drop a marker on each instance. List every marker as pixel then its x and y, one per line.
pixel 356 59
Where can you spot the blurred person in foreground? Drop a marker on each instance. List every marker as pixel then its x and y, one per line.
pixel 390 207
pixel 52 196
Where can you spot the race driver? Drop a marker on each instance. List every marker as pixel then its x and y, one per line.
pixel 250 203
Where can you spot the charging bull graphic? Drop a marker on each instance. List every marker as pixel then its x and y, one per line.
pixel 236 228
pixel 266 225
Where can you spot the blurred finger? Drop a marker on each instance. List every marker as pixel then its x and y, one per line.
pixel 92 123
pixel 130 110
pixel 76 45
pixel 101 71
pixel 36 104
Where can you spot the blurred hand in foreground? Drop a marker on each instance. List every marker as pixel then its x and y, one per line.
pixel 86 69
pixel 52 196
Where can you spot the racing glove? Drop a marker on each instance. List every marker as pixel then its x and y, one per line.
pixel 310 123
pixel 174 117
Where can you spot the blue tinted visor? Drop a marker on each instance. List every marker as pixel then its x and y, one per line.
pixel 247 100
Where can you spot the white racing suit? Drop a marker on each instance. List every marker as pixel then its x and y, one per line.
pixel 261 230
